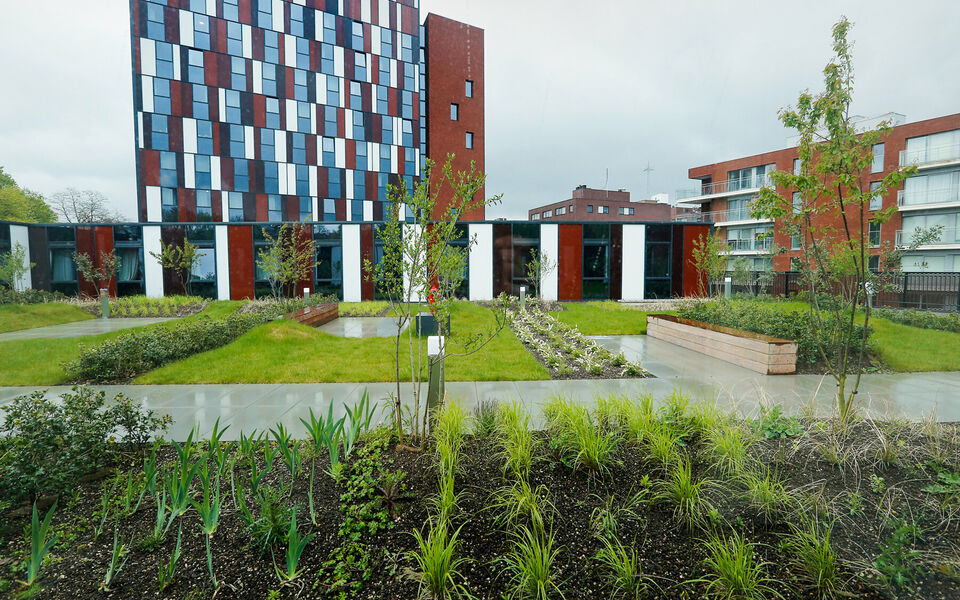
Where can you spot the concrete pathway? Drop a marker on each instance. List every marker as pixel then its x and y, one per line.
pixel 362 327
pixel 259 406
pixel 78 328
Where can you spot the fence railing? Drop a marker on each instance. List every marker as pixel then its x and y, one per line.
pixel 726 186
pixel 763 245
pixel 940 196
pixel 930 155
pixel 927 291
pixel 948 235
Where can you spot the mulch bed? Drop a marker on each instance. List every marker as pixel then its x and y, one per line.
pixel 669 554
pixel 577 371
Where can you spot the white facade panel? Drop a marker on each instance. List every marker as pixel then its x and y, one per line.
pixel 316 208
pixel 291 178
pixel 408 232
pixel 246 39
pixel 223 263
pixel 225 207
pixel 349 184
pixel 313 182
pixel 186 28
pixel 481 261
pixel 176 62
pixel 152 271
pixel 281 178
pixel 212 8
pixel 148 57
pixel 140 128
pixel 351 263
pixel 189 173
pixel 338 64
pixel 222 103
pixel 277 15
pixel 257 77
pixel 146 87
pixel 289 50
pixel 215 173
pixel 248 143
pixel 154 210
pixel 384 13
pixel 340 153
pixel 634 244
pixel 20 236
pixel 368 210
pixel 549 250
pixel 280 145
pixel 365 11
pixel 189 136
pixel 291 115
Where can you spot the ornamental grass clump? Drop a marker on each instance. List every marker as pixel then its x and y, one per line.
pixel 622 569
pixel 733 573
pixel 437 562
pixel 530 564
pixel 515 439
pixel 812 555
pixel 685 494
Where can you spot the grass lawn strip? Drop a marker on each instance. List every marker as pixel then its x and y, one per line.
pixel 17 317
pixel 605 318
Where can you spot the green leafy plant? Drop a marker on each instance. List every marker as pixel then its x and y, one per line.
pixel 519 504
pixel 877 484
pixel 766 493
pixel 295 547
pixel 118 558
pixel 168 569
pixel 515 439
pixel 209 511
pixel 774 424
pixel 685 494
pixel 622 569
pixel 733 572
pixel 326 433
pixel 728 447
pixel 437 562
pixel 605 519
pixel 359 418
pixel 530 564
pixel 40 546
pixel 180 260
pixel 811 553
pixel 898 563
pixel 289 257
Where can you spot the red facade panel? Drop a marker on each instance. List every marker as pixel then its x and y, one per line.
pixel 87 244
pixel 692 278
pixel 366 254
pixel 570 262
pixel 240 240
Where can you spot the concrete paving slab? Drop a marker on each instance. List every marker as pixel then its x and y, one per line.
pixel 78 328
pixel 362 327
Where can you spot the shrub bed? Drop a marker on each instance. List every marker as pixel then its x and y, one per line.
pixel 29 296
pixel 143 307
pixel 921 318
pixel 768 319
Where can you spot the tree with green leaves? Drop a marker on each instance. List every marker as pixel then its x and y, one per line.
pixel 832 219
pixel 99 273
pixel 288 259
pixel 420 262
pixel 539 266
pixel 709 260
pixel 22 205
pixel 13 266
pixel 182 260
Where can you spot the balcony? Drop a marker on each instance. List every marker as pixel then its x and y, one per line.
pixel 918 200
pixel 754 245
pixel 931 157
pixel 718 189
pixel 949 237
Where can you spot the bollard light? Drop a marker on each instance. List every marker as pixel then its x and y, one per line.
pixel 104 303
pixel 727 287
pixel 523 297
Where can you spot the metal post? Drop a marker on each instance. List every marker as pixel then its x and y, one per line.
pixel 727 287
pixel 104 303
pixel 306 293
pixel 435 384
pixel 523 297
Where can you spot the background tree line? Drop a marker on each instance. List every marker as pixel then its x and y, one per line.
pixel 71 205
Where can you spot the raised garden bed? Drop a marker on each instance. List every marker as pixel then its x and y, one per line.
pixel 754 351
pixel 567 353
pixel 315 315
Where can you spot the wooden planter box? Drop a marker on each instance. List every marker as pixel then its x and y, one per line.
pixel 755 351
pixel 316 315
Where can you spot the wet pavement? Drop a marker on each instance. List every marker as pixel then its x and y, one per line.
pixel 361 327
pixel 78 328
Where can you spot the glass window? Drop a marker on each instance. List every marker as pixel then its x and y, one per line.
pixel 303 117
pixel 241 175
pixel 797 203
pixel 330 121
pixel 237 142
pixel 589 208
pixel 271 178
pixel 382 181
pixel 469 89
pixel 406 47
pixel 206 267
pixel 303 180
pixel 407 133
pixel 360 184
pixel 877 165
pixel 204 137
pixel 409 76
pixel 299 143
pixel 333 183
pixel 231 10
pixel 234 38
pixel 296 20
pixel 269 79
pixel 329 27
pixel 362 156
pixel 326 59
pixel 168 169
pixel 386 130
pixel 384 67
pixel 201 109
pixel 876 200
pixel 268 150
pixel 164 60
pixel 159 138
pixel 356 41
pixel 358 126
pixel 356 98
pixel 454 112
pixel 409 160
pixel 169 208
pixel 360 66
pixel 385 158
pixel 155 25
pixel 273 113
pixel 238 73
pixel 274 209
pixel 547 214
pixel 306 209
pixel 328 154
pixel 333 90
pixel 232 103
pixel 874 234
pixel 195 72
pixel 469 141
pixel 383 105
pixel 407 107
pixel 604 210
pixel 271 47
pixel 204 206
pixel 386 42
pixel 201 171
pixel 303 52
pixel 329 209
pixel 235 206
pixel 265 13
pixel 356 210
pixel 796 166
pixel 201 31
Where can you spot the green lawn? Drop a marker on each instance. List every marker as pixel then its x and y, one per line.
pixel 15 317
pixel 605 318
pixel 285 351
pixel 37 362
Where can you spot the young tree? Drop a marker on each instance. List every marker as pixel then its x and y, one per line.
pixel 538 267
pixel 99 273
pixel 709 260
pixel 13 266
pixel 420 262
pixel 289 259
pixel 832 218
pixel 84 206
pixel 181 260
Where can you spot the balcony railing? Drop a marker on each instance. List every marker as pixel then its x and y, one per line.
pixel 763 245
pixel 930 155
pixel 915 198
pixel 948 236
pixel 725 187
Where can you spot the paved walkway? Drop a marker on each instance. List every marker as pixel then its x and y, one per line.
pixel 78 328
pixel 249 406
pixel 362 327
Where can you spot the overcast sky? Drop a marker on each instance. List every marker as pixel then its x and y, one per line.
pixel 573 89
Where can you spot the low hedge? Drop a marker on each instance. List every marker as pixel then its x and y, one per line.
pixel 142 350
pixel 921 318
pixel 28 296
pixel 768 319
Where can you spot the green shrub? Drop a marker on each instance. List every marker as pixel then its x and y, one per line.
pixel 766 318
pixel 921 318
pixel 47 445
pixel 28 296
pixel 143 350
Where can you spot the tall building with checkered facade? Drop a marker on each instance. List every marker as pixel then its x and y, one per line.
pixel 276 110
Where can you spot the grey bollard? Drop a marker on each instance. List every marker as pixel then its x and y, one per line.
pixel 727 287
pixel 306 293
pixel 435 384
pixel 523 297
pixel 104 303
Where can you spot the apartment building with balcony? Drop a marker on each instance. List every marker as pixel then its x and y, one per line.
pixel 588 204
pixel 929 198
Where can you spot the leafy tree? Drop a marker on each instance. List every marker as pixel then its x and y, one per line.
pixel 832 218
pixel 13 266
pixel 420 262
pixel 289 259
pixel 5 179
pixel 181 260
pixel 99 273
pixel 708 259
pixel 84 206
pixel 539 266
pixel 24 206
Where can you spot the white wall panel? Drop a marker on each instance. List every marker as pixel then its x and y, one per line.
pixel 289 50
pixel 280 145
pixel 365 11
pixel 246 39
pixel 21 235
pixel 277 15
pixel 215 173
pixel 222 104
pixel 408 232
pixel 291 178
pixel 313 181
pixel 189 136
pixel 223 263
pixel 340 152
pixel 634 248
pixel 316 208
pixel 384 13
pixel 550 249
pixel 248 142
pixel 176 62
pixel 186 28
pixel 481 261
pixel 257 77
pixel 154 210
pixel 140 128
pixel 146 88
pixel 338 65
pixel 152 271
pixel 348 184
pixel 148 57
pixel 368 210
pixel 212 8
pixel 281 178
pixel 291 115
pixel 225 207
pixel 351 263
pixel 189 173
